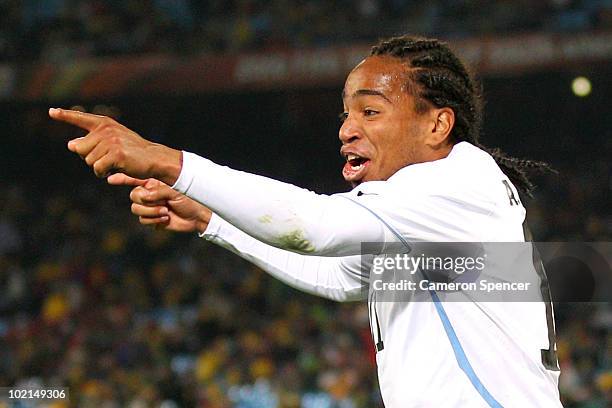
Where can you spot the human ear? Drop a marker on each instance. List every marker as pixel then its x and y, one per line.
pixel 443 121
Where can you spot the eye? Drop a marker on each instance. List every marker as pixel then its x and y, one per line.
pixel 342 116
pixel 369 112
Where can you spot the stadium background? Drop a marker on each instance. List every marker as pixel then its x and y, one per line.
pixel 127 316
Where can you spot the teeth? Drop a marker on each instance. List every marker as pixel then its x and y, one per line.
pixel 350 157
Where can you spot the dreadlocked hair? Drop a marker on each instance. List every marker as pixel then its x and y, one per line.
pixel 437 77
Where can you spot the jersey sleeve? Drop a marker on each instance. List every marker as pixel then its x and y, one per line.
pixel 336 278
pixel 280 214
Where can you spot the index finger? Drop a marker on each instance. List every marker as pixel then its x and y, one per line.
pixel 120 179
pixel 87 121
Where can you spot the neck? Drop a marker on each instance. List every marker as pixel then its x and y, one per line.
pixel 433 153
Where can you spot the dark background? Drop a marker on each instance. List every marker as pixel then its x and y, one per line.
pixel 128 316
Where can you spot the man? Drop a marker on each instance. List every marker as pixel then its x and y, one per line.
pixel 410 131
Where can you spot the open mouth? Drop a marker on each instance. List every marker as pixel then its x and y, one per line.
pixel 355 167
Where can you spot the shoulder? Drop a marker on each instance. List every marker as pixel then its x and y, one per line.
pixel 461 197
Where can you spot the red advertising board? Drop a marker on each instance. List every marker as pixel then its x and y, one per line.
pixel 300 68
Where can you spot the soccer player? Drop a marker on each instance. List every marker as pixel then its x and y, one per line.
pixel 410 136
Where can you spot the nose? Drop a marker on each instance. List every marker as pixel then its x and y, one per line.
pixel 349 131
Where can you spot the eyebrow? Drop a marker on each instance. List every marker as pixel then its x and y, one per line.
pixel 367 92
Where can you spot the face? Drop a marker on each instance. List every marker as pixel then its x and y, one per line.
pixel 381 132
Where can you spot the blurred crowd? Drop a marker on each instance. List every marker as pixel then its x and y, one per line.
pixel 56 30
pixel 125 315
pixel 128 316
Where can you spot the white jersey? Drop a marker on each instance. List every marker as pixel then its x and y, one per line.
pixel 429 354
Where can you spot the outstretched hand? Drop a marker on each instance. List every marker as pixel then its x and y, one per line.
pixel 111 147
pixel 156 204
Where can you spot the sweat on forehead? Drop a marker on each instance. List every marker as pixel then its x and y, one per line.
pixel 382 73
